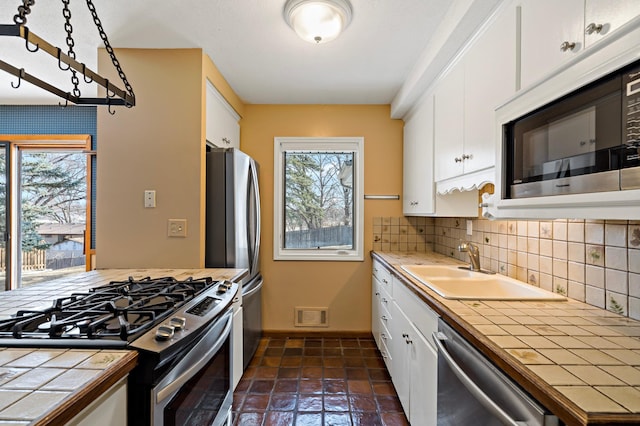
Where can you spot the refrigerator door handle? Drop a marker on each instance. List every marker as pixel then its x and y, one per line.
pixel 255 244
pixel 253 290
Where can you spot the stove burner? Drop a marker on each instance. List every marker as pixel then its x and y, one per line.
pixel 120 310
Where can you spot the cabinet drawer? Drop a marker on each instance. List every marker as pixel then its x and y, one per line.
pixel 423 317
pixel 385 342
pixel 384 277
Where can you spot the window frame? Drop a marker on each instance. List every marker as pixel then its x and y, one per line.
pixel 315 144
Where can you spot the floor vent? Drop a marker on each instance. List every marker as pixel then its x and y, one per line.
pixel 311 317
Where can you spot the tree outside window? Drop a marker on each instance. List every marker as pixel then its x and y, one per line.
pixel 316 211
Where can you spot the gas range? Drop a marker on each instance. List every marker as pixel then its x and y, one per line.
pixel 118 314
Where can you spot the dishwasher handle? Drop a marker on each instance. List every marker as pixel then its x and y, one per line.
pixel 471 386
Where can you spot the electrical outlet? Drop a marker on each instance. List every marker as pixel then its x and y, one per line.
pixel 177 228
pixel 149 198
pixel 469 227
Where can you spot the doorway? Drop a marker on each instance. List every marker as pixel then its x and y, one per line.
pixel 45 199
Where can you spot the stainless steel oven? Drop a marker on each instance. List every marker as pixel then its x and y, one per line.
pixel 197 391
pixel 180 328
pixel 586 141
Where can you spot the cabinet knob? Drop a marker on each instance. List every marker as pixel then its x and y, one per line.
pixel 384 299
pixel 384 318
pixel 566 45
pixel 593 28
pixel 466 157
pixel 458 160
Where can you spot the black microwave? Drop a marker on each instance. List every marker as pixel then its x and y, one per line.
pixel 586 141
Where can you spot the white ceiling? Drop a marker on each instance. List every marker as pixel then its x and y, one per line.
pixel 389 43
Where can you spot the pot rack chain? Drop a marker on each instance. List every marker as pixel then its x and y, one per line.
pixel 114 95
pixel 109 49
pixel 23 11
pixel 66 13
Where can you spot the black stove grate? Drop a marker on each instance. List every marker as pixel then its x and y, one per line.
pixel 120 310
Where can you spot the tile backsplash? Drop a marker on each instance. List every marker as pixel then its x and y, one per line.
pixel 403 233
pixel 593 261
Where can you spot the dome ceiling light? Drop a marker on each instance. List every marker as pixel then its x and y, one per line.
pixel 318 21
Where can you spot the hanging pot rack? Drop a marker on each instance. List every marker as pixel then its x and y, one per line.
pixel 115 96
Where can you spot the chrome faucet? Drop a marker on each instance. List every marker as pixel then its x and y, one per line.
pixel 474 254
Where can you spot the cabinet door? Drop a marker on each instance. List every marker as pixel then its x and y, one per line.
pixel 222 128
pixel 424 380
pixel 546 25
pixel 375 310
pixel 490 78
pixel 448 124
pixel 417 172
pixel 611 14
pixel 401 374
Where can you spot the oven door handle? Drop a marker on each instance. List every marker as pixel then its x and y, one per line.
pixel 177 383
pixel 471 386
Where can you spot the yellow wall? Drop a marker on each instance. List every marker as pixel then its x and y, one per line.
pixel 157 145
pixel 344 287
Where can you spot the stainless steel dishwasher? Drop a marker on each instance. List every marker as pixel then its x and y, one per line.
pixel 472 391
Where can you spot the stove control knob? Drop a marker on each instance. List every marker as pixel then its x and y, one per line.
pixel 178 323
pixel 224 286
pixel 165 332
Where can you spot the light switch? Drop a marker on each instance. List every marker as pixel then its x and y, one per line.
pixel 149 198
pixel 177 228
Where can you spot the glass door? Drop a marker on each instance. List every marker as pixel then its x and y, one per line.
pixel 52 191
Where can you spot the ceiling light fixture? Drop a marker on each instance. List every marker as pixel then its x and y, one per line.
pixel 318 21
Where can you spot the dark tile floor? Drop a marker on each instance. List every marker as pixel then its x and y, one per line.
pixel 317 381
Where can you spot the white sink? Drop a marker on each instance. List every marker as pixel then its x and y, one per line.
pixel 439 271
pixel 453 283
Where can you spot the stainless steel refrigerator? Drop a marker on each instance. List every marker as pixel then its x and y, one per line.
pixel 233 231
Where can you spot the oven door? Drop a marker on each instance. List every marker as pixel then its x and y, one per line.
pixel 198 390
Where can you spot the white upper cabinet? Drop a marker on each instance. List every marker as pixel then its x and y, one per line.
pixel 417 181
pixel 222 128
pixel 449 122
pixel 555 31
pixel 489 80
pixel 465 102
pixel 604 16
pixel 552 33
pixel 419 197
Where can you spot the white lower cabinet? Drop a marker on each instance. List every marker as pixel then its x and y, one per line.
pixel 405 336
pixel 108 409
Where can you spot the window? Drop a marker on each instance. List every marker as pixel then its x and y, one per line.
pixel 318 193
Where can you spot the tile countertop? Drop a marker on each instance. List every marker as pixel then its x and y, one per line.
pixel 581 362
pixel 52 385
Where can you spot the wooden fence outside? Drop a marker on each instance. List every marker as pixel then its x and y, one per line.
pixel 34 260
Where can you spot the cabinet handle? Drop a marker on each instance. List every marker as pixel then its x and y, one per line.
pixel 467 157
pixel 377 293
pixel 593 28
pixel 384 299
pixel 567 46
pixel 458 160
pixel 227 141
pixel 384 318
pixel 384 336
pixel 385 281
